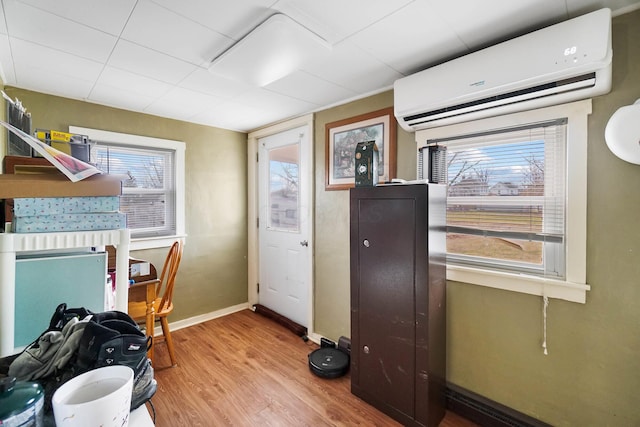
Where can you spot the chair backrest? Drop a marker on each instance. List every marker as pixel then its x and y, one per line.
pixel 168 276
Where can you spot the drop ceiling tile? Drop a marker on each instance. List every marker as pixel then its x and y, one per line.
pixel 353 68
pixel 28 23
pixel 164 109
pixel 230 18
pixel 335 20
pixel 7 72
pixel 160 29
pixel 108 16
pixel 51 82
pixel 3 24
pixel 119 97
pixel 424 36
pixel 133 83
pixel 272 105
pixel 182 103
pixel 309 88
pixel 203 81
pixel 144 61
pixel 262 98
pixel 237 116
pixel 479 24
pixel 27 56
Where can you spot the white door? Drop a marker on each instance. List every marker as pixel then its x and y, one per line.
pixel 284 226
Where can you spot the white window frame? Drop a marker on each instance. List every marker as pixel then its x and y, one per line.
pixel 137 141
pixel 574 287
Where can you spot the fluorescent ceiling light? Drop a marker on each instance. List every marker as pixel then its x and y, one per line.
pixel 274 49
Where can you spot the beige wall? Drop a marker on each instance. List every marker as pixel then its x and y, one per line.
pixel 591 376
pixel 213 272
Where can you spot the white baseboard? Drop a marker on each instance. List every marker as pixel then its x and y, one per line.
pixel 191 321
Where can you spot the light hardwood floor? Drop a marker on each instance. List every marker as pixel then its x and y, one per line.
pixel 246 370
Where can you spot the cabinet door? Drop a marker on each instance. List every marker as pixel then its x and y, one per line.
pixel 386 311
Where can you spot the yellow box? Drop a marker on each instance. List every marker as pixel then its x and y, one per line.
pixel 56 135
pixel 65 147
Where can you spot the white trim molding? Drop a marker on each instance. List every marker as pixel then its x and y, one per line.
pixel 179 148
pixel 573 287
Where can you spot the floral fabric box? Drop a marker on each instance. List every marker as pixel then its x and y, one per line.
pixel 34 206
pixel 69 222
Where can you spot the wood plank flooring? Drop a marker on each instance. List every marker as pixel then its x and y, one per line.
pixel 246 370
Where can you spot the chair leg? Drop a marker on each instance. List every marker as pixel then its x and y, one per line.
pixel 164 322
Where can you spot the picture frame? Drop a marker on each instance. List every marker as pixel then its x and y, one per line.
pixel 342 137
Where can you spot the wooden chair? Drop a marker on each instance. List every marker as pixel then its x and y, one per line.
pixel 163 305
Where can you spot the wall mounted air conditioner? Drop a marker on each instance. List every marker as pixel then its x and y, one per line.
pixel 557 64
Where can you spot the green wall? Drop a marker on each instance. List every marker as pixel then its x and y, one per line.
pixel 591 375
pixel 213 272
pixel 331 293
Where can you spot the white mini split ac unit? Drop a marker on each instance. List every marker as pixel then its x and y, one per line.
pixel 557 64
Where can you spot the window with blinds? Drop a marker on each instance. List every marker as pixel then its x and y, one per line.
pixel 148 192
pixel 506 199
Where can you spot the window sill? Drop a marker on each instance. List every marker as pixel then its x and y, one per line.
pixel 552 288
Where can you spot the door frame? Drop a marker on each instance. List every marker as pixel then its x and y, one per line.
pixel 253 247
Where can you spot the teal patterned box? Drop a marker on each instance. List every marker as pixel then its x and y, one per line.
pixel 32 206
pixel 69 222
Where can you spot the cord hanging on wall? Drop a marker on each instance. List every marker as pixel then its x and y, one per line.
pixel 545 306
pixel 622 133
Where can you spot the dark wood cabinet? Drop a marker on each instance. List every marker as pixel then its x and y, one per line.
pixel 398 335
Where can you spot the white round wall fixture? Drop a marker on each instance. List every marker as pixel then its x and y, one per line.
pixel 622 133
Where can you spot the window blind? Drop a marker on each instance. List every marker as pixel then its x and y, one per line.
pixel 148 196
pixel 506 188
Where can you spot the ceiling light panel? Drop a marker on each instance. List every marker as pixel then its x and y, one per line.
pixel 274 49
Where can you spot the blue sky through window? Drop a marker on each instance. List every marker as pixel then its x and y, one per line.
pixel 509 162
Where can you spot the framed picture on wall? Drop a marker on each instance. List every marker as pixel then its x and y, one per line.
pixel 342 137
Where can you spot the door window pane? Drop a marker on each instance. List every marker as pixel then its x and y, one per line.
pixel 283 188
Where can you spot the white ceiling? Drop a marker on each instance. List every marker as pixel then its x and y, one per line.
pixel 152 56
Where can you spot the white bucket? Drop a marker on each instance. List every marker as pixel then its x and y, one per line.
pixel 101 397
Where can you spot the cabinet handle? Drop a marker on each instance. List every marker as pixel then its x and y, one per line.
pixel 365 349
pixel 366 243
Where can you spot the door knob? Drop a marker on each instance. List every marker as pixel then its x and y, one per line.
pixel 304 243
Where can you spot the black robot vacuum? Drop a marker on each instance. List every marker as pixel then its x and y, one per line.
pixel 329 362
